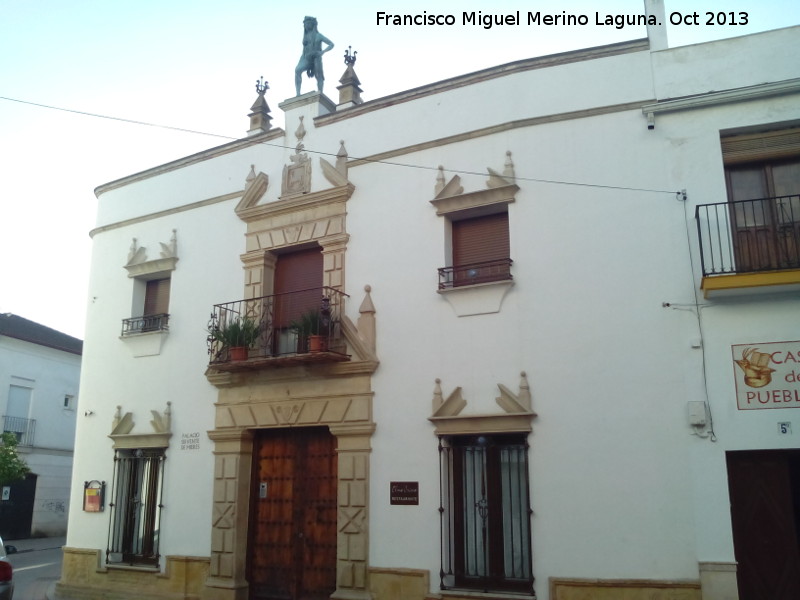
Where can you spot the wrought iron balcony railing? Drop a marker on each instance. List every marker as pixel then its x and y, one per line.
pixel 288 328
pixel 145 324
pixel 24 429
pixel 482 272
pixel 749 236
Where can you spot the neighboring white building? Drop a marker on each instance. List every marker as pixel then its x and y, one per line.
pixel 529 383
pixel 40 370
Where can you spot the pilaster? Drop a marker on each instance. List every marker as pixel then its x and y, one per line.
pixel 352 575
pixel 232 464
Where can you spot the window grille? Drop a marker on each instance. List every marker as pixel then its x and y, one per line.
pixel 136 507
pixel 485 513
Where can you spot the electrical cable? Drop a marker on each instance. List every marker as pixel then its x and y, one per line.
pixel 321 153
pixel 697 306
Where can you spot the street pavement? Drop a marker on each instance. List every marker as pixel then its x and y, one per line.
pixel 37 566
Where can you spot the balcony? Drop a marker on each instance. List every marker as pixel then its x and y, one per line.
pixel 286 329
pixel 472 274
pixel 749 244
pixel 23 429
pixel 145 324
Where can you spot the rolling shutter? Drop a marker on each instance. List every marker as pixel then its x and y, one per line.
pixel 156 297
pixel 300 273
pixel 761 146
pixel 480 239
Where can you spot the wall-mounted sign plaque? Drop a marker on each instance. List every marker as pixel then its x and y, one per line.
pixel 767 375
pixel 404 492
pixel 94 493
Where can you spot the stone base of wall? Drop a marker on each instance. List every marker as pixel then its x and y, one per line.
pixel 85 577
pixel 414 584
pixel 630 589
pixel 393 584
pixel 719 581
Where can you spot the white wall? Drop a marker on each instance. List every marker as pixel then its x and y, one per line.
pixel 51 375
pixel 208 271
pixel 696 165
pixel 727 64
pixel 619 487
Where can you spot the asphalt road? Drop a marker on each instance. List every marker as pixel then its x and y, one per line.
pixel 35 571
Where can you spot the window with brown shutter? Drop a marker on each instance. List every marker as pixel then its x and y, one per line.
pixel 298 283
pixel 763 180
pixel 481 249
pixel 156 297
pixel 155 311
pixel 298 300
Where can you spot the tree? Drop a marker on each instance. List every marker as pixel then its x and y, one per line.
pixel 12 467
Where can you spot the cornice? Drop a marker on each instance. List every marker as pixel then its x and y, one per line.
pixel 199 157
pixel 141 440
pixel 297 203
pixel 529 64
pixel 468 424
pixel 743 94
pixel 166 213
pixel 152 267
pixel 477 199
pixel 495 129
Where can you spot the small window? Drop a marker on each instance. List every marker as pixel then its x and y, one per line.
pixel 480 250
pixel 136 507
pixel 18 409
pixel 153 307
pixel 477 246
pixel 763 180
pixel 156 297
pixel 486 535
pixel 69 402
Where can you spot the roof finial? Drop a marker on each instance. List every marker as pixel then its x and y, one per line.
pixel 261 86
pixel 350 59
pixel 349 91
pixel 259 115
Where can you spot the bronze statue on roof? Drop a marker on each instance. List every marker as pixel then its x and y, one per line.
pixel 311 60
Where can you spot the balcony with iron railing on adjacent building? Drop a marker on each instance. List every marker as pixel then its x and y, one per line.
pixel 24 429
pixel 287 329
pixel 749 243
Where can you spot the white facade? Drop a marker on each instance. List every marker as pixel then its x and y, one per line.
pixel 607 323
pixel 38 397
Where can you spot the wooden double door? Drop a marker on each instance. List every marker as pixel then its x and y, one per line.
pixel 292 545
pixel 765 512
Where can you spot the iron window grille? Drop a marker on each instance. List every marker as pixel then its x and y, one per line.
pixel 134 530
pixel 485 513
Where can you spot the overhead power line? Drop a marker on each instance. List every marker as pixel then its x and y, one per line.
pixel 319 152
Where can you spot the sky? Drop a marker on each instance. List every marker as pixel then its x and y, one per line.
pixel 94 90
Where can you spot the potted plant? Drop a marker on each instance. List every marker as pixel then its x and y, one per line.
pixel 311 330
pixel 237 335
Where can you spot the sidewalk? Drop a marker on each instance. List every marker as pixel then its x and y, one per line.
pixel 45 543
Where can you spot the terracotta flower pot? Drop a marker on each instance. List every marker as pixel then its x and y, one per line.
pixel 317 343
pixel 238 352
